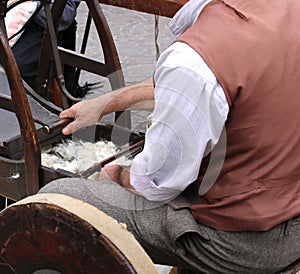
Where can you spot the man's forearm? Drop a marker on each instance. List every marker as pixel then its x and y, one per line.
pixel 137 97
pixel 88 112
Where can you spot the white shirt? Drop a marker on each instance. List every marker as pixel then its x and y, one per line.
pixel 189 115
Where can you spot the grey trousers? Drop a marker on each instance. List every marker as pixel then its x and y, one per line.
pixel 172 237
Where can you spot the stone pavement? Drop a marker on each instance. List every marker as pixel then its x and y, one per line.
pixel 134 36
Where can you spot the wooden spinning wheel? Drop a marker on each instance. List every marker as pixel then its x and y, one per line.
pixel 59 234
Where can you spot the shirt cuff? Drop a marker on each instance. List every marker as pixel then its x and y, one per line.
pixel 148 189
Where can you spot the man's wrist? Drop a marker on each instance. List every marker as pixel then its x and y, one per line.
pixel 124 177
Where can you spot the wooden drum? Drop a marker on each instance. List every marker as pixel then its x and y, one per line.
pixel 54 233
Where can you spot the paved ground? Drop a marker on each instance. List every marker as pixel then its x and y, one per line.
pixel 134 36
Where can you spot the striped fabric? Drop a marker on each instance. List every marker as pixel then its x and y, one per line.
pixel 17 17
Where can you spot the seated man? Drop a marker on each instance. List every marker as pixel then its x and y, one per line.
pixel 216 188
pixel 27 48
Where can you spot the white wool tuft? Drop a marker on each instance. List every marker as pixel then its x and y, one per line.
pixel 77 156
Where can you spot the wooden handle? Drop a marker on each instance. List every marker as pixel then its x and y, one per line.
pixel 58 124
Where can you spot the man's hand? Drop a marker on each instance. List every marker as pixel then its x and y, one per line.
pixel 85 113
pixel 116 173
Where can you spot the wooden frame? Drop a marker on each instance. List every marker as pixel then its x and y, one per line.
pixel 166 8
pixel 20 178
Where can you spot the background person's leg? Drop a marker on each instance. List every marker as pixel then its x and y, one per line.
pixel 27 53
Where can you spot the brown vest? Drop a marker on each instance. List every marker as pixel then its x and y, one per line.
pixel 253 48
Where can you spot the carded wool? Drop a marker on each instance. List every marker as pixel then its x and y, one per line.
pixel 76 156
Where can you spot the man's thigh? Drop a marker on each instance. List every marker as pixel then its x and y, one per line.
pixel 173 237
pixel 156 226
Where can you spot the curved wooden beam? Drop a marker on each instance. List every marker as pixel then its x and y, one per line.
pixel 24 115
pixel 166 8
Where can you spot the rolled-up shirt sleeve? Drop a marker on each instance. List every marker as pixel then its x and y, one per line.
pixel 189 115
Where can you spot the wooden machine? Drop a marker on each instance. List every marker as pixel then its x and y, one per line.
pixel 52 233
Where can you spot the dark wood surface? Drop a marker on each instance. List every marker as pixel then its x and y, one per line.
pixel 59 233
pixel 160 7
pixel 24 116
pixel 48 237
